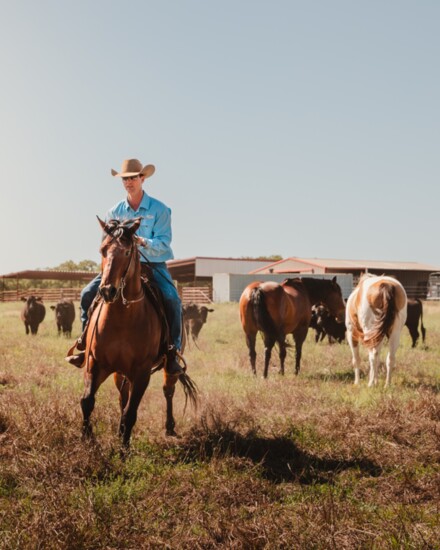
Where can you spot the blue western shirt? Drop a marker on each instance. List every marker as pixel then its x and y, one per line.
pixel 155 226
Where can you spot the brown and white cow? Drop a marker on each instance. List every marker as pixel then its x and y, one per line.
pixel 33 313
pixel 376 309
pixel 64 316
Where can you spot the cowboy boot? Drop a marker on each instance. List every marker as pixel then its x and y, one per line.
pixel 172 365
pixel 77 360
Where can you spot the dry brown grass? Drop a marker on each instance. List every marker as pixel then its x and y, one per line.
pixel 293 462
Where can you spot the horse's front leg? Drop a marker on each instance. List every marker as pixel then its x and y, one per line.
pixel 93 378
pixel 129 414
pixel 169 387
pixel 123 385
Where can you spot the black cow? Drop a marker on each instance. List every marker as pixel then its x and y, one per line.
pixel 415 314
pixel 194 317
pixel 325 324
pixel 64 316
pixel 33 313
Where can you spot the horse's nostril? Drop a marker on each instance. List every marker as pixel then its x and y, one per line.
pixel 108 292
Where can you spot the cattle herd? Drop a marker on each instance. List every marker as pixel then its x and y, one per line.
pixel 322 321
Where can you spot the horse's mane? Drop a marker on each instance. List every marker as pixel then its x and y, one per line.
pixel 118 229
pixel 294 283
pixel 308 282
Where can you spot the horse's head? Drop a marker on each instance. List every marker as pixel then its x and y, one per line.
pixel 334 301
pixel 119 256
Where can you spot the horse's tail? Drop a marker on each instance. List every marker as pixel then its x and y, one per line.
pixel 385 319
pixel 190 389
pixel 261 315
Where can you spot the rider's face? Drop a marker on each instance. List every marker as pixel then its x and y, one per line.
pixel 133 184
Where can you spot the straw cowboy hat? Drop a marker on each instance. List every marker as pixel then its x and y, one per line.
pixel 133 167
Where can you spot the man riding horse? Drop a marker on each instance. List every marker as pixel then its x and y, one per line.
pixel 154 244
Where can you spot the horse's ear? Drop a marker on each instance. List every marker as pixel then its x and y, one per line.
pixel 135 226
pixel 334 280
pixel 101 223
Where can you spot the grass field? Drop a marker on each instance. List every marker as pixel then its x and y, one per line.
pixel 289 462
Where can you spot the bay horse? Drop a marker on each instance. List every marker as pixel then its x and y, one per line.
pixel 376 309
pixel 127 334
pixel 280 309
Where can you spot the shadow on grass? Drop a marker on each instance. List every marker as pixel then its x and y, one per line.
pixel 279 458
pixel 432 388
pixel 347 377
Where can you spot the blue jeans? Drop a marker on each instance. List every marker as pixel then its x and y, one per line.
pixel 173 305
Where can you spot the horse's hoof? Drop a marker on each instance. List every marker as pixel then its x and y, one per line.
pixel 171 433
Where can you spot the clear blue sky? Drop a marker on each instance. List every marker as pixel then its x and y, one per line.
pixel 299 128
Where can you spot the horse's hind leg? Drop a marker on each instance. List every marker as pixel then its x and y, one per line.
pixel 374 355
pixel 250 341
pixel 93 378
pixel 169 387
pixel 299 336
pixel 269 343
pixel 283 352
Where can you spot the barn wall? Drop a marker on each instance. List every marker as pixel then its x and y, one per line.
pixel 206 267
pixel 228 287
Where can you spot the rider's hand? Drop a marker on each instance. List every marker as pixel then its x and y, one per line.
pixel 140 241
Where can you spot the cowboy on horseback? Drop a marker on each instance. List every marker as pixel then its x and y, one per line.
pixel 154 244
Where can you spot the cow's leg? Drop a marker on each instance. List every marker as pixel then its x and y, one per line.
pixel 269 343
pixel 250 342
pixel 299 336
pixel 414 335
pixel 26 326
pixel 356 358
pixel 93 378
pixel 374 356
pixel 169 386
pixel 129 414
pixel 282 344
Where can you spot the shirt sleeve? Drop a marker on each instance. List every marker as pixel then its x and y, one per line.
pixel 160 241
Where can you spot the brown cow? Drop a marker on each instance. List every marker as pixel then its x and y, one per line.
pixel 194 317
pixel 64 316
pixel 415 314
pixel 33 313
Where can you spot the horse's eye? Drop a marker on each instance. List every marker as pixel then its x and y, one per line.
pixel 127 253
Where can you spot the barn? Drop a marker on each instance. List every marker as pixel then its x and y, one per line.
pixel 414 276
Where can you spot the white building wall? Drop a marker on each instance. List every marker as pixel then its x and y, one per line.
pixel 206 267
pixel 228 287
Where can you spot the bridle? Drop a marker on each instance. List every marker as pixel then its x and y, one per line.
pixel 122 284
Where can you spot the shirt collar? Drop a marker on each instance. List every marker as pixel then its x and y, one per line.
pixel 145 203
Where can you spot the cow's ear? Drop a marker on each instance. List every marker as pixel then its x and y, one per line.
pixel 23 299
